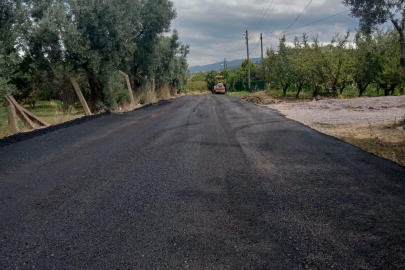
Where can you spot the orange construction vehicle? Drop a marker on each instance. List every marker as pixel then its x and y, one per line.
pixel 220 85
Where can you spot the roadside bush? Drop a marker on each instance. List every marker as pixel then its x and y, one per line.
pixel 199 77
pixel 117 91
pixel 196 86
pixel 163 92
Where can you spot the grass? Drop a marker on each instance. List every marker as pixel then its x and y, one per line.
pixel 388 150
pixel 325 125
pixel 198 92
pixel 49 111
pixel 381 139
pixel 239 94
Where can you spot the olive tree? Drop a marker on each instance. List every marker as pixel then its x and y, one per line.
pixel 375 12
pixel 10 23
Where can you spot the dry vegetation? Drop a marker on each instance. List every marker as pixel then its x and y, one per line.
pixel 381 139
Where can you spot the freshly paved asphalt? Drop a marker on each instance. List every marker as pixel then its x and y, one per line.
pixel 200 182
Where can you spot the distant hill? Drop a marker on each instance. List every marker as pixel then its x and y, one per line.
pixel 217 66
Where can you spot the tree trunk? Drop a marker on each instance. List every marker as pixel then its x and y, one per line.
pixel 299 90
pixel 335 91
pixel 362 88
pixel 402 42
pixel 285 88
pixel 96 94
pixel 392 89
pixel 342 88
pixel 315 91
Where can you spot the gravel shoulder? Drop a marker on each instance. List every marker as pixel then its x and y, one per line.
pixel 345 112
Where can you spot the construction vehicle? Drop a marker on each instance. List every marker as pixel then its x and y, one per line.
pixel 220 85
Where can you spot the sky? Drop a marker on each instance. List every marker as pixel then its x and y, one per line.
pixel 213 28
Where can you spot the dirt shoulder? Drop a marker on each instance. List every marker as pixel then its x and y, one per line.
pixel 369 123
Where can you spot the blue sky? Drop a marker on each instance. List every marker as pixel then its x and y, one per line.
pixel 213 28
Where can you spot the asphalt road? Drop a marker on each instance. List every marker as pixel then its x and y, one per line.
pixel 199 182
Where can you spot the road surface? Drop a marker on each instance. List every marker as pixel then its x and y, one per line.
pixel 199 182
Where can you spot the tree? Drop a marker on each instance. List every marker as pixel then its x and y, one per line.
pixel 316 73
pixel 97 38
pixel 83 36
pixel 210 79
pixel 199 77
pixel 390 73
pixel 10 19
pixel 151 19
pixel 285 69
pixel 334 56
pixel 245 68
pixel 375 12
pixel 267 69
pixel 367 62
pixel 297 59
pixel 226 74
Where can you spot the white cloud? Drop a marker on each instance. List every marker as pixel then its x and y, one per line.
pixel 213 28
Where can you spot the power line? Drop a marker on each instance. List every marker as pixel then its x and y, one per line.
pixel 320 20
pixel 298 16
pixel 257 13
pixel 267 16
pixel 264 15
pixel 262 21
pixel 313 30
pixel 254 50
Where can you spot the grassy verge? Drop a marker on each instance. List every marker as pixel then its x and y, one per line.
pixel 388 150
pixel 239 94
pixel 198 92
pixel 49 111
pixel 380 139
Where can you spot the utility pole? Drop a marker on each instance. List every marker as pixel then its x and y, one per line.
pixel 264 67
pixel 225 64
pixel 261 41
pixel 248 58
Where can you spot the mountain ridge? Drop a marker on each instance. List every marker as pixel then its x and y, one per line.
pixel 218 65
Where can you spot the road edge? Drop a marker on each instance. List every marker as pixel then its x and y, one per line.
pixel 335 138
pixel 24 136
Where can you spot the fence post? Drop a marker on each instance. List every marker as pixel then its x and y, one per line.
pixel 78 91
pixel 131 94
pixel 12 116
pixel 80 95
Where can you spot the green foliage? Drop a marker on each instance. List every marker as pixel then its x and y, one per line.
pixel 94 39
pixel 197 86
pixel 210 79
pixel 375 12
pixel 5 88
pixel 231 82
pixel 116 91
pixel 334 67
pixel 226 74
pixel 198 77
